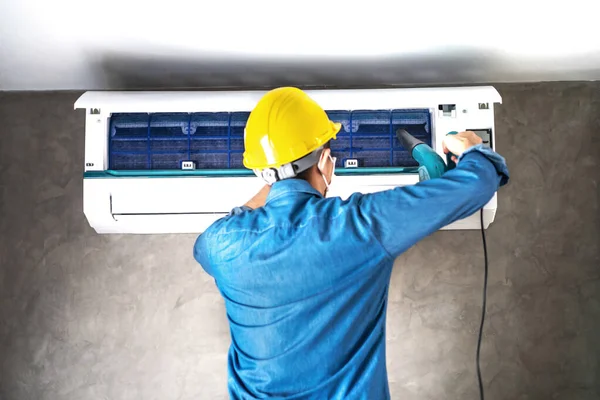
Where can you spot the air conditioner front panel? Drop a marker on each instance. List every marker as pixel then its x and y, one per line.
pixel 181 195
pixel 190 205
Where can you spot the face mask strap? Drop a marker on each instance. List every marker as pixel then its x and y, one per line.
pixel 327 184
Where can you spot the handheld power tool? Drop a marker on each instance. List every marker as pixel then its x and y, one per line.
pixel 431 165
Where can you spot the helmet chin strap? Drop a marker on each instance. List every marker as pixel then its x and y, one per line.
pixel 289 170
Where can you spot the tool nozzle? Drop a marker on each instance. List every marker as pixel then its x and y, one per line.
pixel 407 140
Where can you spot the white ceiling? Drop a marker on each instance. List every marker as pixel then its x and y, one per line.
pixel 110 44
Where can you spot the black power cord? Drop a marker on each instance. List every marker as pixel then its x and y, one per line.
pixel 483 307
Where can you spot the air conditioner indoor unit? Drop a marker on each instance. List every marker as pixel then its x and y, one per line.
pixel 171 162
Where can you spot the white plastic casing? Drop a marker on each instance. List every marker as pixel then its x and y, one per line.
pixel 191 204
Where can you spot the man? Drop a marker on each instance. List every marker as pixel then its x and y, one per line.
pixel 305 277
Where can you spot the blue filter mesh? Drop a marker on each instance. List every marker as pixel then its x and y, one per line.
pixel 161 141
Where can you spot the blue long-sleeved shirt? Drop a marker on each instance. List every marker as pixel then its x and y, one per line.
pixel 305 278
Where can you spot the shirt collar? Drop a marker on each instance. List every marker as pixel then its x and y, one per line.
pixel 288 187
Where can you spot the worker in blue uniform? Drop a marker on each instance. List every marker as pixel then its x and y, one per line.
pixel 305 278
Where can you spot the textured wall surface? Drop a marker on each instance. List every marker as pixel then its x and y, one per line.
pixel 84 316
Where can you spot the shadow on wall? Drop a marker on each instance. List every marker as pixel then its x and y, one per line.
pixel 451 66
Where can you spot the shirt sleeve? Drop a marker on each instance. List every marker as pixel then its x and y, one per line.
pixel 401 217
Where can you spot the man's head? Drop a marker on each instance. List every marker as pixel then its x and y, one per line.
pixel 287 136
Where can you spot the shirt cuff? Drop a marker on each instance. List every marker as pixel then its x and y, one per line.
pixel 239 210
pixel 496 159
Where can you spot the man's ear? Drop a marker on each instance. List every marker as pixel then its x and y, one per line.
pixel 323 160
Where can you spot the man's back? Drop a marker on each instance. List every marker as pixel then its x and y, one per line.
pixel 305 288
pixel 305 279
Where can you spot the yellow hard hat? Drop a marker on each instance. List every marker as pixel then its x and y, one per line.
pixel 285 126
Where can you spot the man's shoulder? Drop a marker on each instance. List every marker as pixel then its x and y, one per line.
pixel 238 221
pixel 220 236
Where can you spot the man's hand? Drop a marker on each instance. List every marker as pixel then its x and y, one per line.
pixel 259 199
pixel 459 143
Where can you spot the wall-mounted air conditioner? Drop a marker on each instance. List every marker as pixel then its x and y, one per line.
pixel 171 162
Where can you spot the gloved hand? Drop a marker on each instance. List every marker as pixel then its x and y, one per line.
pixel 459 143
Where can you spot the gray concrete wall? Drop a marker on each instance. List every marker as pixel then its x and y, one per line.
pixel 84 316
